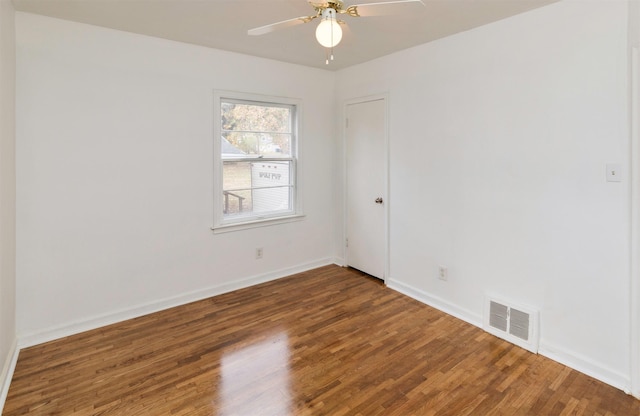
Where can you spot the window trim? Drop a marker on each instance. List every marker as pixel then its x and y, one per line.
pixel 221 225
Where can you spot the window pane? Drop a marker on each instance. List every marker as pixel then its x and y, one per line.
pixel 256 187
pixel 254 117
pixel 247 144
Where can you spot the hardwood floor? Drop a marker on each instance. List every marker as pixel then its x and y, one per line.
pixel 325 342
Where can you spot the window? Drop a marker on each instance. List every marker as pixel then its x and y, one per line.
pixel 256 158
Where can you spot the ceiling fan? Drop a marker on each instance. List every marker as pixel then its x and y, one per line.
pixel 329 32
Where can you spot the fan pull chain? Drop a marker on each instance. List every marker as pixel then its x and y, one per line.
pixel 330 53
pixel 333 22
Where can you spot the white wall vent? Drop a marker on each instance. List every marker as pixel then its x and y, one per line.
pixel 513 323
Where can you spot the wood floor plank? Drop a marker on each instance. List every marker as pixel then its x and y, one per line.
pixel 331 341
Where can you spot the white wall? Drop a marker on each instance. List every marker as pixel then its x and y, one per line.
pixel 114 187
pixel 499 138
pixel 7 196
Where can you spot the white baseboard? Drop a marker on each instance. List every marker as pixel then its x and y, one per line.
pixel 585 365
pixel 72 328
pixel 436 302
pixel 7 372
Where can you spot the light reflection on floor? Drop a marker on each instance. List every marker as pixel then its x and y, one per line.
pixel 246 372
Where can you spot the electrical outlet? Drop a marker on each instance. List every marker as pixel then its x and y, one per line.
pixel 259 253
pixel 443 273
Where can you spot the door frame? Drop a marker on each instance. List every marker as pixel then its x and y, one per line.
pixel 634 108
pixel 345 198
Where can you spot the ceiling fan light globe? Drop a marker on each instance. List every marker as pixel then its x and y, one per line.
pixel 329 33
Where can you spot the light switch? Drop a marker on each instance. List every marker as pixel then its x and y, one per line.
pixel 614 172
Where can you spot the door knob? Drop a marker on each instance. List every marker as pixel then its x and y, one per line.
pixel 378 200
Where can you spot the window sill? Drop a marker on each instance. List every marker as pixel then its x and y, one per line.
pixel 266 222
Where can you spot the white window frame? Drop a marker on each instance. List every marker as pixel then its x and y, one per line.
pixel 220 224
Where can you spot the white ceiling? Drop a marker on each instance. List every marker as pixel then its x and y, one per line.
pixel 223 24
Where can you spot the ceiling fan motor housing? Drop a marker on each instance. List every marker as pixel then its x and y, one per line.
pixel 328 13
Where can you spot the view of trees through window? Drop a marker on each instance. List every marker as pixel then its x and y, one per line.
pixel 257 129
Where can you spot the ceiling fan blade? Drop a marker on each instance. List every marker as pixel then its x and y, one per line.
pixel 379 9
pixel 280 25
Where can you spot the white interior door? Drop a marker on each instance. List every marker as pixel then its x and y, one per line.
pixel 366 179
